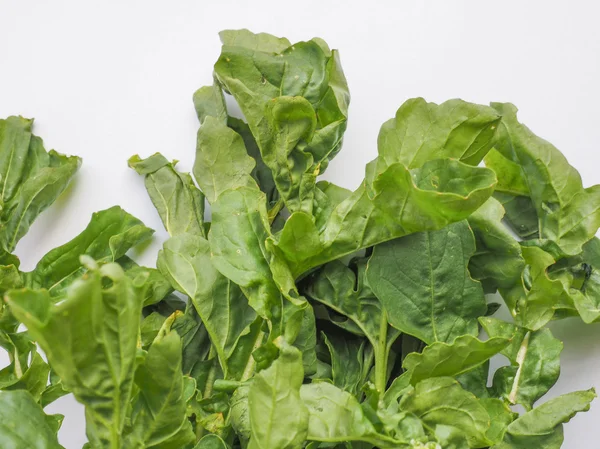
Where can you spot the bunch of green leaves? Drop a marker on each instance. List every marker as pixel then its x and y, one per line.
pixel 310 316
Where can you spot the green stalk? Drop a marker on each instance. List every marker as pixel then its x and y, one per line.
pixel 381 355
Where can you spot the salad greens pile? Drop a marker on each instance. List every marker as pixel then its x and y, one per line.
pixel 304 315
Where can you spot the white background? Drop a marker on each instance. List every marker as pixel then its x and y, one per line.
pixel 108 79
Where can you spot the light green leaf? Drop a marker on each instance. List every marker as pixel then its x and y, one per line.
pixel 32 377
pixel 442 359
pixel 441 400
pixel 178 201
pixel 44 177
pixel 210 102
pixel 108 236
pixel 23 423
pixel 542 427
pixel 159 417
pixel 423 282
pixel 424 131
pixel 399 202
pixel 535 362
pixel 498 261
pixel 15 136
pixel 336 416
pixel 222 162
pixel 500 418
pixel 157 287
pixel 275 392
pixel 90 338
pixel 211 442
pixel 568 214
pixel 186 261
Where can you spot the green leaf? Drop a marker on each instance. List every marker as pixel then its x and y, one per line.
pixel 275 392
pixel 498 261
pixel 347 362
pixel 398 202
pixel 159 412
pixel 178 201
pixel 542 427
pixel 32 378
pixel 210 102
pixel 424 131
pixel 186 261
pixel 15 136
pixel 441 400
pixel 156 285
pixel 23 423
pixel 43 177
pixel 534 358
pixel 241 251
pixel 335 415
pixel 520 216
pixel 99 319
pixel 568 214
pixel 500 418
pixel 211 442
pixel 428 291
pixel 451 359
pixel 108 236
pixel 222 162
pixel 302 93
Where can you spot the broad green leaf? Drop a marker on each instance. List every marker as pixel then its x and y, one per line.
pixel 186 261
pixel 568 214
pixel 441 400
pixel 210 102
pixel 500 418
pixel 398 202
pixel 15 136
pixel 261 172
pixel 43 177
pixel 108 236
pixel 254 41
pixel 32 377
pixel 542 427
pixel 23 423
pixel 159 412
pixel 423 282
pixel 275 392
pixel 520 215
pixel 89 337
pixel 537 297
pixel 295 100
pixel 347 362
pixel 498 261
pixel 534 358
pixel 423 131
pixel 9 278
pixel 222 162
pixel 337 286
pixel 53 391
pixel 178 201
pixel 239 413
pixel 335 415
pixel 195 340
pixel 442 359
pixel 511 179
pixel 211 442
pixel 241 251
pixel 157 287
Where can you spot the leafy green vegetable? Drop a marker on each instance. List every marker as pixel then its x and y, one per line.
pixel 304 315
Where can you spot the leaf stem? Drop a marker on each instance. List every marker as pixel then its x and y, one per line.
pixel 381 355
pixel 251 365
